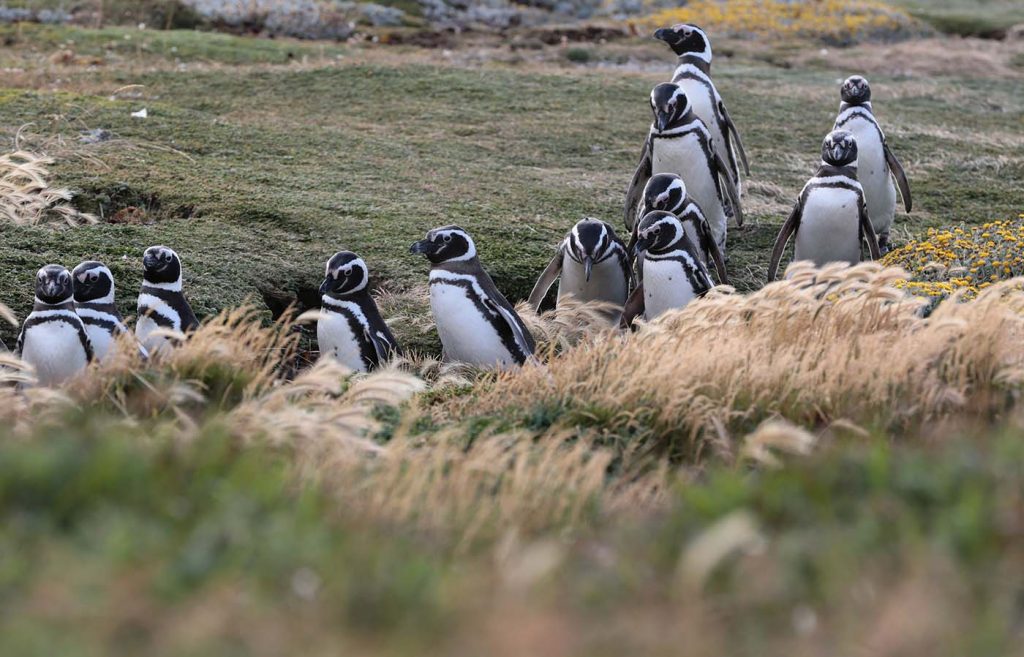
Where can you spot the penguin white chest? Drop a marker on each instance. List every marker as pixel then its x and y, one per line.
pixel 55 350
pixel 100 339
pixel 607 281
pixel 873 174
pixel 703 104
pixel 666 286
pixel 468 332
pixel 685 157
pixel 337 340
pixel 829 228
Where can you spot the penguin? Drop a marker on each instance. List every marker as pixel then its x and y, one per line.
pixel 876 163
pixel 591 265
pixel 680 143
pixel 162 305
pixel 830 217
pixel 94 303
pixel 53 338
pixel 667 192
pixel 673 273
pixel 693 75
pixel 350 328
pixel 476 323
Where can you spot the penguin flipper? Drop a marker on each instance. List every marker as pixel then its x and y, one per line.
pixel 633 308
pixel 730 188
pixel 710 247
pixel 520 333
pixel 788 228
pixel 900 175
pixel 868 232
pixel 636 185
pixel 546 280
pixel 735 134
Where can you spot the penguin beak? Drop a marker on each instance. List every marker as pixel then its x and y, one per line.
pixel 425 247
pixel 666 35
pixel 660 120
pixel 588 266
pixel 81 277
pixel 643 242
pixel 52 289
pixel 325 286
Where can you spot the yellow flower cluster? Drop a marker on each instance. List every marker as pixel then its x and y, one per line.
pixel 837 20
pixel 964 258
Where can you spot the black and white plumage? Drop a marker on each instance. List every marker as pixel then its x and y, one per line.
pixel 830 218
pixel 162 304
pixel 680 143
pixel 693 75
pixel 351 329
pixel 876 163
pixel 673 273
pixel 53 338
pixel 666 192
pixel 477 325
pixel 94 303
pixel 591 265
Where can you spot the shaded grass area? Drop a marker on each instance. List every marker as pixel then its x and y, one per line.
pixel 257 174
pixel 985 18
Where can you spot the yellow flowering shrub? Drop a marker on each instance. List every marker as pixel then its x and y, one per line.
pixel 832 20
pixel 964 258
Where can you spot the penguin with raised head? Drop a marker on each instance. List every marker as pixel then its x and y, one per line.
pixel 693 75
pixel 830 218
pixel 876 163
pixel 666 192
pixel 673 273
pixel 680 143
pixel 94 303
pixel 53 338
pixel 477 325
pixel 351 329
pixel 591 265
pixel 162 304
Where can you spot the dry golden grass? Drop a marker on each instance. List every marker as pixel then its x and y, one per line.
pixel 839 344
pixel 26 196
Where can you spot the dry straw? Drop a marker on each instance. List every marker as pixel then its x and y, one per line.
pixel 26 197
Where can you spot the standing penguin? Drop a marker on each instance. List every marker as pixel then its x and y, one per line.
pixel 591 265
pixel 830 218
pixel 350 328
pixel 476 323
pixel 53 338
pixel 673 273
pixel 876 163
pixel 161 301
pixel 693 75
pixel 94 303
pixel 666 192
pixel 680 143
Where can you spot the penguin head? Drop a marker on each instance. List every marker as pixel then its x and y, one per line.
pixel 161 265
pixel 839 149
pixel 53 285
pixel 659 231
pixel 346 274
pixel 446 244
pixel 669 104
pixel 93 282
pixel 686 39
pixel 590 241
pixel 664 191
pixel 855 91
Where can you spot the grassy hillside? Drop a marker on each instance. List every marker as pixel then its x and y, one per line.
pixel 811 468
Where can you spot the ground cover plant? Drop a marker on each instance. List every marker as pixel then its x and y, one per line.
pixel 826 465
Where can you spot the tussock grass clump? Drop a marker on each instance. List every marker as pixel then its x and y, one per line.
pixel 26 196
pixel 830 345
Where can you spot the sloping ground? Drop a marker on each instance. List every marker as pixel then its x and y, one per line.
pixel 257 173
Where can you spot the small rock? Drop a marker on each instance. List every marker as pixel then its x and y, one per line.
pixel 95 136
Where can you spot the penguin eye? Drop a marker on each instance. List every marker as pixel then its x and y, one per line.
pixel 94 277
pixel 447 238
pixel 657 230
pixel 347 271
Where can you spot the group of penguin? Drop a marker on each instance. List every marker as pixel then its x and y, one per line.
pixel 685 189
